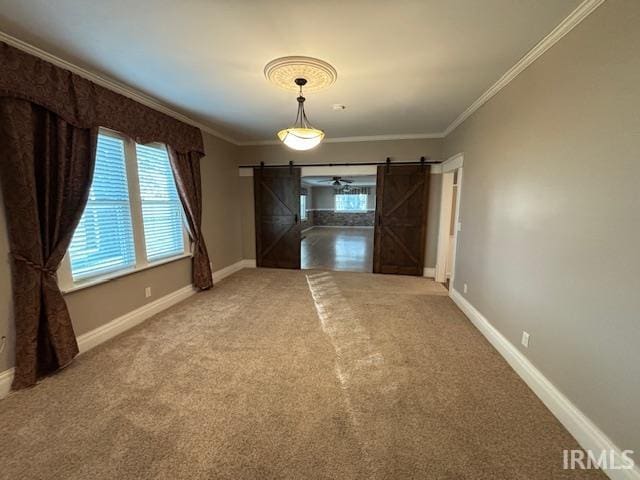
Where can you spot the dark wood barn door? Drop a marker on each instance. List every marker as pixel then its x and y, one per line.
pixel 277 210
pixel 402 196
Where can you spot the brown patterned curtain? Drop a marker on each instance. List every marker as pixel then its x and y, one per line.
pixel 46 170
pixel 49 119
pixel 186 170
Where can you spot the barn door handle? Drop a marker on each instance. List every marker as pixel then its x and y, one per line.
pixel 379 220
pixel 295 217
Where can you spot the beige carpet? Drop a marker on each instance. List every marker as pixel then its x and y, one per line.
pixel 276 375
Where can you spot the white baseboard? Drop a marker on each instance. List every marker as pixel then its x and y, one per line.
pixel 307 229
pixel 6 378
pixel 129 320
pixel 226 271
pixel 105 332
pixel 588 435
pixel 429 272
pixel 137 316
pixel 249 263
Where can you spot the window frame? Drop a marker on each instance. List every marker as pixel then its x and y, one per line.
pixel 185 234
pixel 64 273
pixel 335 203
pixel 303 212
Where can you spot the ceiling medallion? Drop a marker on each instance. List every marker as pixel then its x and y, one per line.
pixel 293 73
pixel 284 71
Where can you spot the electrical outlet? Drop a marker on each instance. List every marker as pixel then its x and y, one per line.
pixel 525 339
pixel 3 343
pixel 464 288
pixel 147 292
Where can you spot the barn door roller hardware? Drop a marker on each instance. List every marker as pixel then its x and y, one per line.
pixel 421 161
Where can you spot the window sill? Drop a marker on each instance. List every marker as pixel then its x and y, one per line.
pixel 93 281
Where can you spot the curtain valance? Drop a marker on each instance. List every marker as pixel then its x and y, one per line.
pixel 85 104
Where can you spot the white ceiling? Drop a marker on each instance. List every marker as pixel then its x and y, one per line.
pixel 404 67
pixel 326 181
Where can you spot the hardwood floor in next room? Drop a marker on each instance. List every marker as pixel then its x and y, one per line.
pixel 338 248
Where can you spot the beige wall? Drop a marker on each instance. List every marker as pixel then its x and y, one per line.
pixel 323 198
pixel 222 211
pixel 97 305
pixel 247 218
pixel 398 150
pixel 550 216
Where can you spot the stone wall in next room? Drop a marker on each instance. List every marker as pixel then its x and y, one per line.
pixel 347 219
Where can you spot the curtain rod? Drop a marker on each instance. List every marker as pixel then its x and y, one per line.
pixel 422 160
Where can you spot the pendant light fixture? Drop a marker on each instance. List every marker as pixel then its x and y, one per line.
pixel 293 73
pixel 301 135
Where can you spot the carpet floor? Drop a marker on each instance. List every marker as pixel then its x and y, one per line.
pixel 279 374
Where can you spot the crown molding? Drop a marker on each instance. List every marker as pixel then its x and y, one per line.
pixel 379 138
pixel 581 12
pixel 366 138
pixel 569 23
pixel 151 102
pixel 111 84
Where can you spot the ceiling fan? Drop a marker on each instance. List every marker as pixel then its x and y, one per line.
pixel 338 181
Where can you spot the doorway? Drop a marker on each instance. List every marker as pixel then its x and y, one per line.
pixel 365 218
pixel 449 220
pixel 338 215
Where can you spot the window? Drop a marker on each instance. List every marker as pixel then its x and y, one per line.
pixel 161 208
pixel 133 217
pixel 303 207
pixel 103 240
pixel 350 202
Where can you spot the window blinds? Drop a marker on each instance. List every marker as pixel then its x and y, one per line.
pixel 350 202
pixel 161 207
pixel 103 241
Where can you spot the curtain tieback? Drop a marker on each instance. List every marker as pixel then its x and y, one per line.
pixel 33 265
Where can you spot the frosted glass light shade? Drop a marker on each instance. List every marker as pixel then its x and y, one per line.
pixel 301 138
